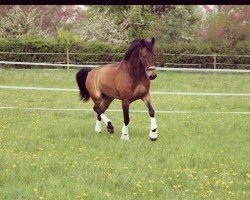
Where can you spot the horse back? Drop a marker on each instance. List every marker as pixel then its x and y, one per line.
pixel 101 81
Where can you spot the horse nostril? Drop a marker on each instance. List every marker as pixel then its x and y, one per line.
pixel 152 77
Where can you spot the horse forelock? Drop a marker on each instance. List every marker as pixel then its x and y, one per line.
pixel 137 43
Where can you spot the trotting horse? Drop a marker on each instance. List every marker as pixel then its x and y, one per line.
pixel 128 80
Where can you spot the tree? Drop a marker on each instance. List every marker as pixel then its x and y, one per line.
pixel 102 28
pixel 20 21
pixel 231 23
pixel 166 22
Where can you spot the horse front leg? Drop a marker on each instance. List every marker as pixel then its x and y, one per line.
pixel 125 108
pixel 153 126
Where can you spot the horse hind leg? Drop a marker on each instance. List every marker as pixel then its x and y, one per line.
pixel 98 124
pixel 100 107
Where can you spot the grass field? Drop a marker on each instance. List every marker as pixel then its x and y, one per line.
pixel 52 154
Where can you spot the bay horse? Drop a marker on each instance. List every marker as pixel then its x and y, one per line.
pixel 128 80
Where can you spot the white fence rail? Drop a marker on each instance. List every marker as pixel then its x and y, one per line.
pixel 152 92
pixel 157 68
pixel 94 64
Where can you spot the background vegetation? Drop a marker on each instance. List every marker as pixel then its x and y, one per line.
pixel 104 29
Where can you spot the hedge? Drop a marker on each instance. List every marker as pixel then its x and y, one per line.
pixel 102 51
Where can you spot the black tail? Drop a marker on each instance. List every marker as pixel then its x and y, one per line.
pixel 81 77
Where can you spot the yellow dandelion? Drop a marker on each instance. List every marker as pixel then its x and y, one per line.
pixel 107 194
pixel 151 190
pixel 150 167
pixel 35 189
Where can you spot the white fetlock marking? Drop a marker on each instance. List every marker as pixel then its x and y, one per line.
pixel 125 135
pixel 153 135
pixel 105 119
pixel 98 126
pixel 153 123
pixel 125 129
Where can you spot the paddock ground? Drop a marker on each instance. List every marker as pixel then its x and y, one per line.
pixel 49 149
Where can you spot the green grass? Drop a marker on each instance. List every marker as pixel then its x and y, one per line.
pixel 57 154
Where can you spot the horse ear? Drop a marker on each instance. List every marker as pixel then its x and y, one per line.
pixel 153 40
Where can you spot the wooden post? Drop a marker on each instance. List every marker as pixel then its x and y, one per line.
pixel 67 59
pixel 214 61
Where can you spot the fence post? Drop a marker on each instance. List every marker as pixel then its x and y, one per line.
pixel 67 59
pixel 214 61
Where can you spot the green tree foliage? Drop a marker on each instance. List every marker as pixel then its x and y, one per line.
pixel 166 22
pixel 179 23
pixel 66 37
pixel 21 21
pixel 100 27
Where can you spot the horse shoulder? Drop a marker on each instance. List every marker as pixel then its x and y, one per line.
pixel 141 89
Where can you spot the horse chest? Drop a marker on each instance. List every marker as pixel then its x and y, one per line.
pixel 140 91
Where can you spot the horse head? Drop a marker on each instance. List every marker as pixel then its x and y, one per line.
pixel 146 57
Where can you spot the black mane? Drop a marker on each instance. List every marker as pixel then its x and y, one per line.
pixel 135 44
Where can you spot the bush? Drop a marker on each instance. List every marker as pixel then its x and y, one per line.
pixel 101 52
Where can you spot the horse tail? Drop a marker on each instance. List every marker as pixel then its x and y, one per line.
pixel 81 77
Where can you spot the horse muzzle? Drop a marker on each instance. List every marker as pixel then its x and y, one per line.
pixel 151 72
pixel 152 77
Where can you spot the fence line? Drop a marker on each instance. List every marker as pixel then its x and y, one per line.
pixel 158 68
pixel 132 111
pixel 67 53
pixel 152 92
pixel 77 53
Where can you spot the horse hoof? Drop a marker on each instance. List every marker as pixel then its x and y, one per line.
pixel 153 139
pixel 153 134
pixel 125 137
pixel 110 128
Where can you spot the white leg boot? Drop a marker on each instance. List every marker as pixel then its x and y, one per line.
pixel 98 126
pixel 125 135
pixel 153 135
